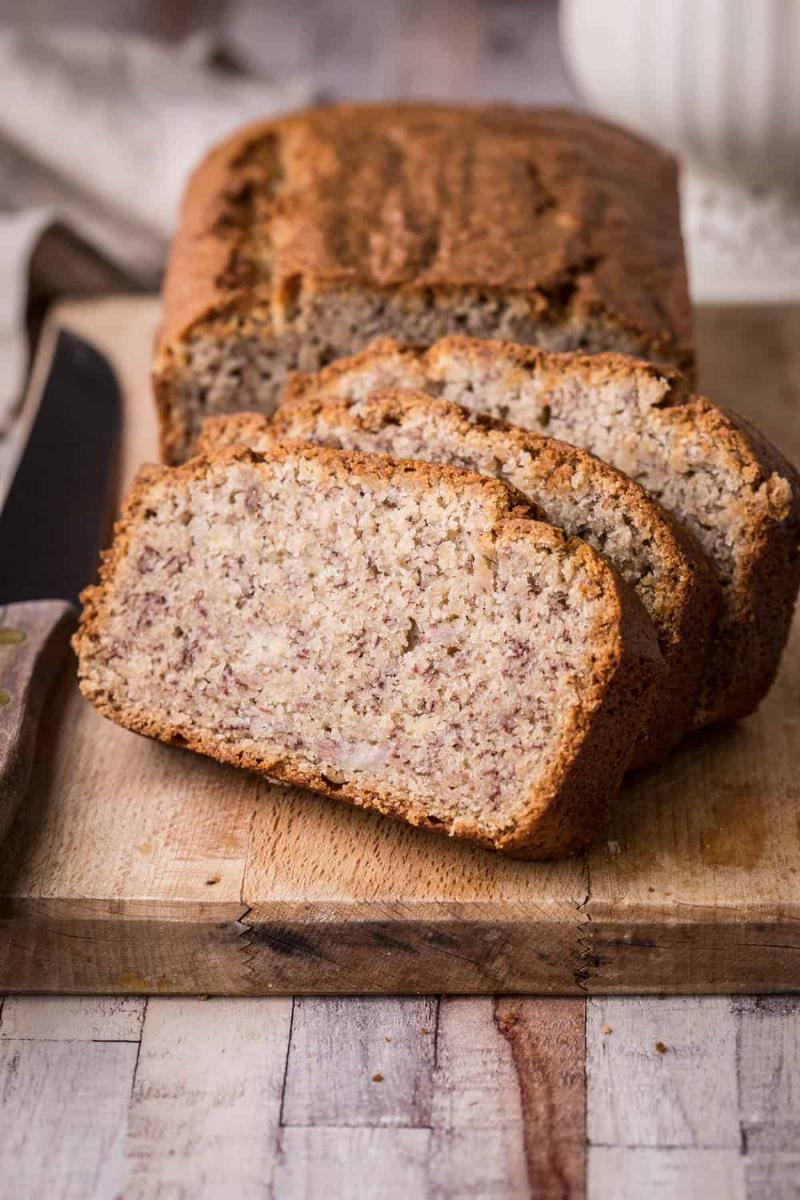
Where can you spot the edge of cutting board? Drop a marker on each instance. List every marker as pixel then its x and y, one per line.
pixel 139 868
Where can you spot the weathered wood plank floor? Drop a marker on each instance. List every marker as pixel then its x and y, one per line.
pixel 367 1097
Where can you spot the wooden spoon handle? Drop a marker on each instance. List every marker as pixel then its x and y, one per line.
pixel 34 636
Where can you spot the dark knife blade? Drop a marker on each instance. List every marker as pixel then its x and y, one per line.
pixel 51 528
pixel 56 514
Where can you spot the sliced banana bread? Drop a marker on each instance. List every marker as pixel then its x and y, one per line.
pixel 305 237
pixel 400 635
pixel 575 490
pixel 713 471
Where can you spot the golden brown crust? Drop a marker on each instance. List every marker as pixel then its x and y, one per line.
pixel 418 364
pixel 576 215
pixel 749 646
pixel 569 807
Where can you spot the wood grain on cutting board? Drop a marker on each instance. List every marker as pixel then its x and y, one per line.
pixel 138 867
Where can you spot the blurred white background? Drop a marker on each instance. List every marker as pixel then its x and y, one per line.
pixel 104 108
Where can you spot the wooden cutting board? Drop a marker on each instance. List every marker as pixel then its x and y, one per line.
pixel 135 867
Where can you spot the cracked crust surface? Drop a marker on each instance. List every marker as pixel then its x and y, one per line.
pixel 304 237
pixel 226 619
pixel 713 471
pixel 576 491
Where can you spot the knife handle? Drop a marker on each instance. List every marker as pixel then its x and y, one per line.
pixel 34 636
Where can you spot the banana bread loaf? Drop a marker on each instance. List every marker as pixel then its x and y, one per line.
pixel 576 491
pixel 713 471
pixel 304 238
pixel 400 635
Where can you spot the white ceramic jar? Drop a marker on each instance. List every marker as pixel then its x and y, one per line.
pixel 718 83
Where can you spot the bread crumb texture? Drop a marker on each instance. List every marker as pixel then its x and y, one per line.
pixel 401 634
pixel 713 471
pixel 575 490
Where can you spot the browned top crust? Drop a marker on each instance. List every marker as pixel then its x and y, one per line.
pixel 578 216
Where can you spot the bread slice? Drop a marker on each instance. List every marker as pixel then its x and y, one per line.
pixel 302 238
pixel 400 635
pixel 575 490
pixel 712 470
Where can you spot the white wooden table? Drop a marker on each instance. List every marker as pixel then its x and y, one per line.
pixel 419 1097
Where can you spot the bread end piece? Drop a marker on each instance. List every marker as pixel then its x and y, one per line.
pixel 303 238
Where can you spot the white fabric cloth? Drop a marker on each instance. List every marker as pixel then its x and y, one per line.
pixel 99 130
pixel 19 233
